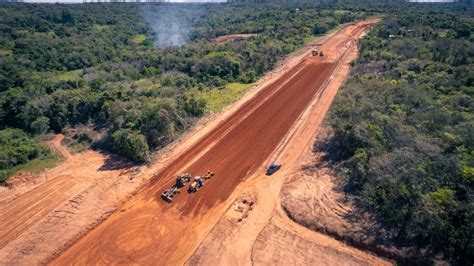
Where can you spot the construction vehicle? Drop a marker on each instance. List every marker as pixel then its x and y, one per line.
pixel 199 181
pixel 314 52
pixel 168 194
pixel 181 181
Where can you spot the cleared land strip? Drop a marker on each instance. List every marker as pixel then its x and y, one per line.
pixel 148 231
pixel 265 235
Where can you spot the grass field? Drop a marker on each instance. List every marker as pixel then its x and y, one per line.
pixel 70 75
pixel 34 166
pixel 139 38
pixel 101 27
pixel 218 98
pixel 4 52
pixel 40 164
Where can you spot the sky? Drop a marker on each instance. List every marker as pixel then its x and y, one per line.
pixel 80 1
pixel 53 1
pixel 432 1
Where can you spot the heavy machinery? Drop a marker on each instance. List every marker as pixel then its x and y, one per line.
pixel 199 181
pixel 168 194
pixel 181 181
pixel 315 53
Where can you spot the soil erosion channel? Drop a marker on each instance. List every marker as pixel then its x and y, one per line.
pixel 147 230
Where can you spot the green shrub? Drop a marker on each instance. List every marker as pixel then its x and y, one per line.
pixel 17 148
pixel 131 144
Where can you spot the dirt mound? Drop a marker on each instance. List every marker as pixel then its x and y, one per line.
pixel 276 246
pixel 314 200
pixel 20 178
pixel 225 232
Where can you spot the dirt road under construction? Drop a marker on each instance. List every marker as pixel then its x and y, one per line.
pixel 147 230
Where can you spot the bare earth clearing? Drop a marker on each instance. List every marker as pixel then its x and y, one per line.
pixel 314 192
pixel 202 227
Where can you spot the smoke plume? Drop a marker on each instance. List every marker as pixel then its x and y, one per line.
pixel 170 28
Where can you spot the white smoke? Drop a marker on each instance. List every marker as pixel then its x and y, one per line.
pixel 171 22
pixel 170 28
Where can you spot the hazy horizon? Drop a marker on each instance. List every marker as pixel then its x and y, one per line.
pixel 81 1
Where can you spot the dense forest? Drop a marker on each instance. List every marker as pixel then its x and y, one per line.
pixel 404 130
pixel 132 73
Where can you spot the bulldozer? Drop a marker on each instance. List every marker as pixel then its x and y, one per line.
pixel 315 53
pixel 199 181
pixel 181 181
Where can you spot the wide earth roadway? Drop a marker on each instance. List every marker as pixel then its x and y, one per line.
pixel 149 231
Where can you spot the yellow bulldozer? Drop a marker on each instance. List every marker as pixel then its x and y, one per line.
pixel 315 53
pixel 199 181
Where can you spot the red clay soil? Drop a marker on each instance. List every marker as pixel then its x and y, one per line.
pixel 149 231
pixel 20 210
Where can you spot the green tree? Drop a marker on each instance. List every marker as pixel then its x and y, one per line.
pixel 131 144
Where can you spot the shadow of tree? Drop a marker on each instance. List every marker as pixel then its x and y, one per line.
pixel 115 162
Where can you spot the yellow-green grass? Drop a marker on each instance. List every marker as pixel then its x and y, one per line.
pixel 70 75
pixel 219 98
pixel 341 12
pixel 5 52
pixel 101 27
pixel 138 38
pixel 40 164
pixel 144 83
pixel 442 33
